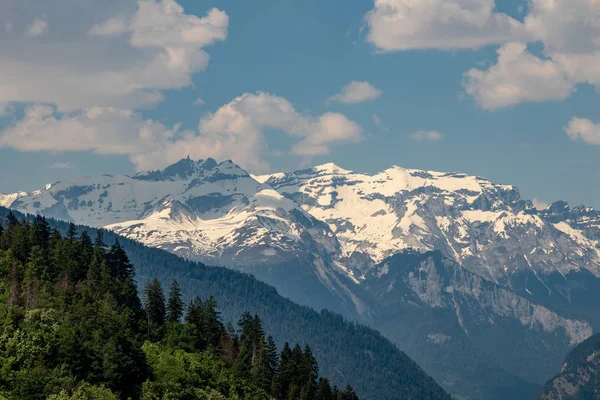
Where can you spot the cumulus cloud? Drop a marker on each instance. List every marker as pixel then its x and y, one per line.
pixel 236 130
pixel 199 101
pixel 122 60
pixel 439 24
pixel 585 130
pixel 37 28
pixel 427 136
pixel 102 130
pixel 568 31
pixel 356 92
pixel 518 76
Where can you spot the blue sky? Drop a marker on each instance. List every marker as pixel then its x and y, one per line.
pixel 527 117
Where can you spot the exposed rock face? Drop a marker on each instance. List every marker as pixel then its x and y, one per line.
pixel 579 378
pixel 499 281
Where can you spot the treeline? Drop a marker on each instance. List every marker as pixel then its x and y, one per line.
pixel 73 327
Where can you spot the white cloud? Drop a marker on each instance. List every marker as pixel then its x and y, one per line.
pixel 427 136
pixel 199 101
pixel 518 76
pixel 37 28
pixel 236 131
pixel 379 123
pixel 568 31
pixel 121 60
pixel 62 165
pixel 356 92
pixel 439 24
pixel 583 129
pixel 102 130
pixel 539 204
pixel 113 26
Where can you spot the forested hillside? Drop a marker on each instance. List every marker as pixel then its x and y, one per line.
pixel 72 326
pixel 346 352
pixel 579 378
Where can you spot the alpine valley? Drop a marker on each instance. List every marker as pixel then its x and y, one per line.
pixel 484 291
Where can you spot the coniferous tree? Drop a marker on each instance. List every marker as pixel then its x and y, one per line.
pixel 324 391
pixel 194 325
pixel 272 357
pixel 175 304
pixel 71 328
pixel 213 327
pixel 348 394
pixel 40 232
pixel 154 305
pixel 11 227
pixel 119 265
pixel 286 371
pixel 229 344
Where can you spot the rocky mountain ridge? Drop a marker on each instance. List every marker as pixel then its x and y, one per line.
pixel 332 238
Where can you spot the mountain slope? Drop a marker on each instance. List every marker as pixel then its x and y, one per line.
pixel 485 227
pixel 579 378
pixel 322 236
pixel 472 335
pixel 347 352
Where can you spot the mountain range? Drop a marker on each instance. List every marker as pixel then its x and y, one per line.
pixel 486 292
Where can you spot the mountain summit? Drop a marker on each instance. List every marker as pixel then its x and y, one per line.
pixel 332 238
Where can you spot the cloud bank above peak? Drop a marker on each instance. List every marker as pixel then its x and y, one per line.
pixel 235 131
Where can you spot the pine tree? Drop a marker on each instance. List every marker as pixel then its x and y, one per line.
pixel 310 367
pixel 348 394
pixel 272 357
pixel 72 232
pixel 324 391
pixel 213 327
pixel 259 371
pixel 40 232
pixel 11 227
pixel 286 371
pixel 154 305
pixel 119 265
pixel 229 344
pixel 194 325
pixel 175 304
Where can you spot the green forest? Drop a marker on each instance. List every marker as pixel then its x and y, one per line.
pixel 72 326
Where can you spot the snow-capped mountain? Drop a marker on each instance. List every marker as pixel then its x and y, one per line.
pixel 487 228
pixel 332 238
pixel 197 209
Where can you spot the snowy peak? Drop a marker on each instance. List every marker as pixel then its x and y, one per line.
pixel 482 225
pixel 184 169
pixel 356 220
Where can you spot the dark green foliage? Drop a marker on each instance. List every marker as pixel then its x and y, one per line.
pixel 155 308
pixel 175 303
pixel 346 352
pixel 70 330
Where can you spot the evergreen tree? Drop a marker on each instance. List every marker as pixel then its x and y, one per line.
pixel 40 233
pixel 194 325
pixel 72 233
pixel 324 391
pixel 11 227
pixel 154 305
pixel 175 304
pixel 119 265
